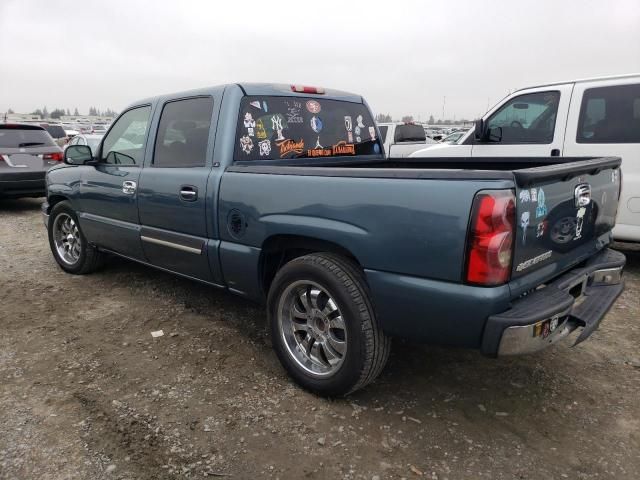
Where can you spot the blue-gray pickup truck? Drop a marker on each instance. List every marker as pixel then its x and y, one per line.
pixel 283 194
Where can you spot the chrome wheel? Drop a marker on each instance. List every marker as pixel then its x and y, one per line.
pixel 312 328
pixel 66 237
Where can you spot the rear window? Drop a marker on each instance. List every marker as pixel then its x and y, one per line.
pixel 56 131
pixel 610 115
pixel 274 128
pixel 11 137
pixel 410 132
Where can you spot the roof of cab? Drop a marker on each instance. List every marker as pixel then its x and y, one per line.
pixel 582 80
pixel 272 89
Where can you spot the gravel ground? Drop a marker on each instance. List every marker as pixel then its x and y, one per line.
pixel 87 393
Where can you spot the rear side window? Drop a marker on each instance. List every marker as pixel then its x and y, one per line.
pixel 610 115
pixel 383 132
pixel 527 119
pixel 183 133
pixel 56 131
pixel 410 132
pixel 274 128
pixel 11 137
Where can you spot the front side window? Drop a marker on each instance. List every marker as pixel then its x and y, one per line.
pixel 183 133
pixel 526 119
pixel 124 145
pixel 274 128
pixel 610 115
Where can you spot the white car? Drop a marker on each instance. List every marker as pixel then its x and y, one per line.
pixel 401 139
pixel 584 118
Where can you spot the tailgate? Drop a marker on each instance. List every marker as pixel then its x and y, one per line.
pixel 562 211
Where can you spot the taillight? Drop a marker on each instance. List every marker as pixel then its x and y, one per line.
pixel 490 237
pixel 305 89
pixel 57 156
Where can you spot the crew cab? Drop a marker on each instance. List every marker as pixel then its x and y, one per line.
pixel 265 191
pixel 590 117
pixel 401 139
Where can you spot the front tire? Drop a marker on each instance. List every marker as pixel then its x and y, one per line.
pixel 68 244
pixel 323 326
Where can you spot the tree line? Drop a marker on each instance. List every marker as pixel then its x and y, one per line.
pixel 386 118
pixel 59 112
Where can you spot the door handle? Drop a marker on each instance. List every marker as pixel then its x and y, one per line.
pixel 188 193
pixel 129 187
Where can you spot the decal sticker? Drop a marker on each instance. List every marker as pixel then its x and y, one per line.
pixel 541 209
pixel 358 139
pixel 348 124
pixel 579 222
pixel 604 199
pixel 533 261
pixel 247 144
pixel 256 104
pixel 277 126
pixel 542 227
pixel 313 106
pixel 318 143
pixel 264 147
pixel 357 130
pixel 316 124
pixel 614 176
pixel 250 131
pixel 359 121
pixel 350 137
pixel 294 110
pixel 264 106
pixel 372 133
pixel 343 148
pixel 249 122
pixel 376 148
pixel 261 133
pixel 553 324
pixel 524 223
pixel 524 196
pixel 319 152
pixel 534 195
pixel 290 146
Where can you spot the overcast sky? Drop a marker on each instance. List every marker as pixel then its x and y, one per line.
pixel 402 56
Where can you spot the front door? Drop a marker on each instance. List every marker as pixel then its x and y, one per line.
pixel 109 208
pixel 531 124
pixel 172 196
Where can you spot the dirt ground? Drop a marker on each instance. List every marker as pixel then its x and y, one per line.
pixel 87 393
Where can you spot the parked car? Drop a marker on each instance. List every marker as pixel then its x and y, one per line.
pixel 92 141
pixel 591 117
pixel 99 129
pixel 27 151
pixel 400 139
pixel 57 133
pixel 265 191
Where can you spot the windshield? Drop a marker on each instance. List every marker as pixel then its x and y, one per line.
pixel 18 138
pixel 274 128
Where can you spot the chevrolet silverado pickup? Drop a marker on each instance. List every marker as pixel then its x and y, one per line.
pixel 266 191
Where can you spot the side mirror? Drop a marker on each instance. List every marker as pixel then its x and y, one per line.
pixel 77 155
pixel 480 132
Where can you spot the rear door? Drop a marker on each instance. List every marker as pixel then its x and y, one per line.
pixel 108 200
pixel 564 213
pixel 173 189
pixel 604 119
pixel 528 124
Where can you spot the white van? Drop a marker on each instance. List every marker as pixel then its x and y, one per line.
pixel 591 117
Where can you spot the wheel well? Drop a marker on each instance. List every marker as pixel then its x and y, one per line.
pixel 53 199
pixel 279 249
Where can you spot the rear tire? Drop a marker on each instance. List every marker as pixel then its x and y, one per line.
pixel 323 326
pixel 68 244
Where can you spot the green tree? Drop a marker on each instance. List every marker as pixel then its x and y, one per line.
pixel 10 111
pixel 407 118
pixel 75 112
pixel 431 120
